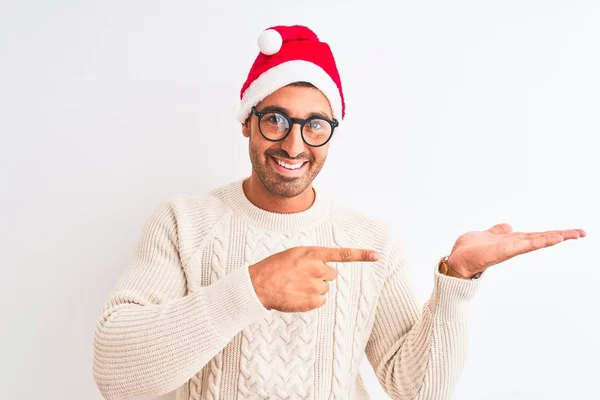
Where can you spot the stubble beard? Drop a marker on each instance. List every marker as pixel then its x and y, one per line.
pixel 279 185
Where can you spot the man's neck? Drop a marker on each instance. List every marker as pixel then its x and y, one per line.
pixel 258 195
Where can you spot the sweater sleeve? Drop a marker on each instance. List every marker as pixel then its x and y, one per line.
pixel 153 336
pixel 419 355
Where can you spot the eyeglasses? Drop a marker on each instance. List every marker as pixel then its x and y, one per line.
pixel 275 126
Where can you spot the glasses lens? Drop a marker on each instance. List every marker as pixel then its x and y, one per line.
pixel 317 131
pixel 274 126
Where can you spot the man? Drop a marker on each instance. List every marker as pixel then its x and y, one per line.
pixel 262 289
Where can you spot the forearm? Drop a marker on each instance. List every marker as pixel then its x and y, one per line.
pixel 430 360
pixel 150 349
pixel 419 355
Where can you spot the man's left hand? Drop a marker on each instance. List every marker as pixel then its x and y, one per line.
pixel 476 251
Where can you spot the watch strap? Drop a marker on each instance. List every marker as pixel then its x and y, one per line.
pixel 445 269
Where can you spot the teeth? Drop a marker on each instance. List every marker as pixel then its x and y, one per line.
pixel 289 166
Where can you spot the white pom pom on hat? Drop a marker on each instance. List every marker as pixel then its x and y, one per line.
pixel 269 42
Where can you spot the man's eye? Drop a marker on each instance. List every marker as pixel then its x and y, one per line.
pixel 276 119
pixel 316 124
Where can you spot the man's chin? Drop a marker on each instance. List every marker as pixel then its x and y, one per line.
pixel 284 186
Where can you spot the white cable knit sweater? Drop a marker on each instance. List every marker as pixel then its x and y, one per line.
pixel 184 315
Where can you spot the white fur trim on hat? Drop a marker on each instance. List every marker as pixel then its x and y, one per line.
pixel 282 75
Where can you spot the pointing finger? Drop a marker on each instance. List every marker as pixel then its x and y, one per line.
pixel 348 255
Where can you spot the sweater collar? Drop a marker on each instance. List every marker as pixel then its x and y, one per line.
pixel 237 200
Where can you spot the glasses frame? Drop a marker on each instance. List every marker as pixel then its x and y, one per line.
pixel 291 121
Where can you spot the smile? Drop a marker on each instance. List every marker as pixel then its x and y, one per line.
pixel 289 168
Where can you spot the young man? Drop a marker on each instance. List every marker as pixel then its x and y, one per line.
pixel 262 289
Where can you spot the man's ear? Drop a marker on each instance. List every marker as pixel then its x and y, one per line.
pixel 246 128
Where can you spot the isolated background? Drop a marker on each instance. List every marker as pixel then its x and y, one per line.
pixel 461 115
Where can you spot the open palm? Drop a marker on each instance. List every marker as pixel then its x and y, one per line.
pixel 476 251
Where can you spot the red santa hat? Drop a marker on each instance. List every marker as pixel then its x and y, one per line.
pixel 290 54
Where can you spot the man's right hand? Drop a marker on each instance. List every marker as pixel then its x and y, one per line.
pixel 296 280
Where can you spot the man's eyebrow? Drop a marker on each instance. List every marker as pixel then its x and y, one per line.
pixel 285 111
pixel 319 115
pixel 276 108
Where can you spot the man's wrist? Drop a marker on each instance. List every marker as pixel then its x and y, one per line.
pixel 446 267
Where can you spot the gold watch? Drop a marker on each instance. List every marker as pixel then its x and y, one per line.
pixel 446 270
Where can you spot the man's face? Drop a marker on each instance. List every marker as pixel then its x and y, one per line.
pixel 266 156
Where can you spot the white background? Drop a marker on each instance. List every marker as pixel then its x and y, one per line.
pixel 461 115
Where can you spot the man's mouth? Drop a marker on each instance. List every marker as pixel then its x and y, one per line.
pixel 291 165
pixel 289 168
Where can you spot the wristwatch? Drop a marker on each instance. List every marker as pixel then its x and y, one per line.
pixel 445 269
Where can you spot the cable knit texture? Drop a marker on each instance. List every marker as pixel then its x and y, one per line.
pixel 184 315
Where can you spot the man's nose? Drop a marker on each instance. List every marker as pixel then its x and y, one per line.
pixel 293 143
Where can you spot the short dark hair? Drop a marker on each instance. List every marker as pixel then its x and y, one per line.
pixel 302 84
